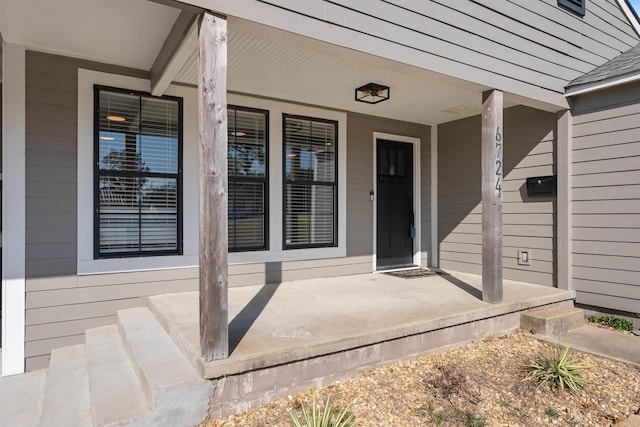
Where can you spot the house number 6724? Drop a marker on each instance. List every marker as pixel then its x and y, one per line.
pixel 498 186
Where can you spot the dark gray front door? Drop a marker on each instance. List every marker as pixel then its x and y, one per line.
pixel 395 227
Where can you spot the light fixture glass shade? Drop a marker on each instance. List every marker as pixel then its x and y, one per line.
pixel 372 93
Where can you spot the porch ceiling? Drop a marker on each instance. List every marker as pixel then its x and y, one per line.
pixel 273 63
pixel 122 32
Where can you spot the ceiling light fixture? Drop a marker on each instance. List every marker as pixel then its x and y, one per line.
pixel 107 138
pixel 116 118
pixel 372 93
pixel 238 133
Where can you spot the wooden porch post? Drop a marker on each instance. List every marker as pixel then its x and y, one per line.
pixel 492 167
pixel 212 150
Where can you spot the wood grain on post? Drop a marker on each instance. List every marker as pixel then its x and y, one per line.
pixel 212 149
pixel 492 171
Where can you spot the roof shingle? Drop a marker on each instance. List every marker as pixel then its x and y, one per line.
pixel 627 62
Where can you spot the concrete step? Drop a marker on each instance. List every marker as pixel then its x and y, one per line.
pixel 179 395
pixel 67 400
pixel 117 395
pixel 552 320
pixel 25 393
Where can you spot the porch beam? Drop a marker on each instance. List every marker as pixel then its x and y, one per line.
pixel 492 167
pixel 212 146
pixel 178 47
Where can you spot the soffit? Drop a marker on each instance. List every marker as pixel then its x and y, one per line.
pixel 122 32
pixel 272 63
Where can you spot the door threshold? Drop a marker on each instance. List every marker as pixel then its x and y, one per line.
pixel 392 269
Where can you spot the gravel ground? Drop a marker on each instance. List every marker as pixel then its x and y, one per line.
pixel 475 385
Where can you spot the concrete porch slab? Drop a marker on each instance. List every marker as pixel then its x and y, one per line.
pixel 282 323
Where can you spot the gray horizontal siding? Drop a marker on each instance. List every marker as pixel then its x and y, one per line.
pixel 531 48
pixel 528 222
pixel 606 199
pixel 58 308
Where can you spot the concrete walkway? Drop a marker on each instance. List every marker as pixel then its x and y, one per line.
pixel 601 342
pixel 605 343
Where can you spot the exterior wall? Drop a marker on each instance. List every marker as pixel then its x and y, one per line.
pixel 360 181
pixel 606 198
pixel 530 48
pixel 60 303
pixel 528 222
pixel 53 316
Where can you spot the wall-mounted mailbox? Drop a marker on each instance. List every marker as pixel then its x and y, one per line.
pixel 541 185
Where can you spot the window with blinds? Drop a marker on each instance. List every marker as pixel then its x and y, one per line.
pixel 310 176
pixel 138 174
pixel 247 156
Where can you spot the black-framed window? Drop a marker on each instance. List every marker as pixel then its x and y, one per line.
pixel 137 174
pixel 576 6
pixel 248 172
pixel 310 178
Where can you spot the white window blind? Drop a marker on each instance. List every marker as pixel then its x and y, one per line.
pixel 137 174
pixel 310 191
pixel 247 157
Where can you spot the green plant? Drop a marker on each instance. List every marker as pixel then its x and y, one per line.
pixel 432 416
pixel 551 412
pixel 322 417
pixel 472 420
pixel 513 410
pixel 559 369
pixel 613 322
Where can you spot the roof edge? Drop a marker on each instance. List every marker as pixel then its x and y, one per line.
pixel 633 18
pixel 602 84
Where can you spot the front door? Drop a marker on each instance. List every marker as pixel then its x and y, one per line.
pixel 395 226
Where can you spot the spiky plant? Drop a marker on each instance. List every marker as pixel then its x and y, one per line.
pixel 559 369
pixel 323 417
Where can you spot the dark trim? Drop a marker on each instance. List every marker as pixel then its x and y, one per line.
pixel 96 168
pixel 333 184
pixel 264 180
pixel 578 7
pixel 97 173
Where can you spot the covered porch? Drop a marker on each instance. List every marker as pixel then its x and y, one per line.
pixel 435 110
pixel 295 335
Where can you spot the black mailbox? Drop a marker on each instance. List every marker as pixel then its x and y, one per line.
pixel 541 185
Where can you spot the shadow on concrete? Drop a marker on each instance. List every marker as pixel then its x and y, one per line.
pixel 242 322
pixel 463 285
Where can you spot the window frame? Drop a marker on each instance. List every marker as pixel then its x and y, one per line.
pixel 265 181
pixel 97 88
pixel 285 181
pixel 572 6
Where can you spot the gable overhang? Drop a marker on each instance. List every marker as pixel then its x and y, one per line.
pixel 632 16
